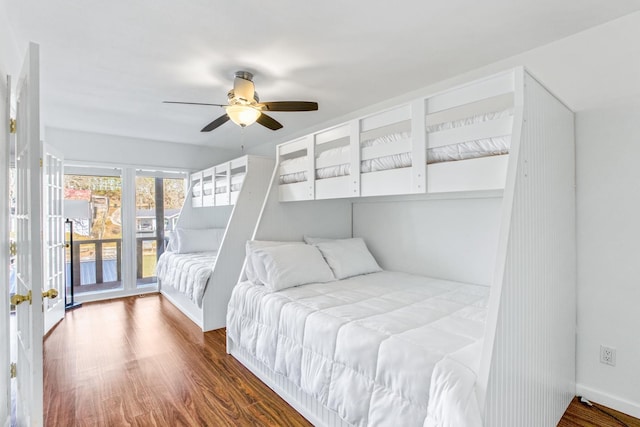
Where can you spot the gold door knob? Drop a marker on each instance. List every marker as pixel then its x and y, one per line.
pixel 51 293
pixel 13 248
pixel 18 299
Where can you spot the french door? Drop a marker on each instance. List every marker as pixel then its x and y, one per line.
pixel 5 382
pixel 53 236
pixel 28 298
pixel 29 246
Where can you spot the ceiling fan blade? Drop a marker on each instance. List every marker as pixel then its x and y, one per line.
pixel 217 122
pixel 290 106
pixel 192 103
pixel 269 122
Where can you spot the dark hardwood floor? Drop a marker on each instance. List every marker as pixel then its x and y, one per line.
pixel 579 415
pixel 139 361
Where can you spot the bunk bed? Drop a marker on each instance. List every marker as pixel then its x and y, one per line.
pixel 503 218
pixel 218 185
pixel 426 146
pixel 205 253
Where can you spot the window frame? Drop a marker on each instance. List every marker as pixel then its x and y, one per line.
pixel 129 255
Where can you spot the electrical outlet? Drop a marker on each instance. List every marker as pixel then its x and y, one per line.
pixel 608 355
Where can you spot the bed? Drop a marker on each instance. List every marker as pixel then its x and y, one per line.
pixel 186 273
pixel 379 335
pixel 188 260
pixel 506 221
pixel 453 142
pixel 206 250
pixel 338 157
pixel 218 185
pixel 236 184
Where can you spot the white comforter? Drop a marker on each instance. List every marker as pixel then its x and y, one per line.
pixel 365 347
pixel 188 273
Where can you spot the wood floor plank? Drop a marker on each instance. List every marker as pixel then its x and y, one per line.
pixel 140 362
pixel 579 415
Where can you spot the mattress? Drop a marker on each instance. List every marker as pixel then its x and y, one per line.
pixel 221 186
pixel 187 273
pixel 236 183
pixel 484 147
pixel 367 347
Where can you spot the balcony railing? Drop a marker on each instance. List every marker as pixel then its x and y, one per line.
pixel 97 264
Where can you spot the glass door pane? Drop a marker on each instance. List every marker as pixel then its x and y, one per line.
pixel 148 211
pixel 12 230
pixel 93 206
pixel 174 194
pixel 158 204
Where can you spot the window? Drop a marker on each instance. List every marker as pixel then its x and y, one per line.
pixel 120 219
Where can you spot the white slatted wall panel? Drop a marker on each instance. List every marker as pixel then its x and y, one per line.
pixel 532 376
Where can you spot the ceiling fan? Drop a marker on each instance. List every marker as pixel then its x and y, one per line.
pixel 244 107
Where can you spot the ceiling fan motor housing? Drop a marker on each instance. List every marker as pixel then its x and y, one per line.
pixel 243 91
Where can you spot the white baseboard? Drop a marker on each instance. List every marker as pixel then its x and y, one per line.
pixel 104 296
pixel 613 402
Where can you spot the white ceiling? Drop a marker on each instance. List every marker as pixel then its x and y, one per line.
pixel 107 65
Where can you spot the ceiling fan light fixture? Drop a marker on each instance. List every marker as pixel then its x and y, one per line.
pixel 242 115
pixel 244 107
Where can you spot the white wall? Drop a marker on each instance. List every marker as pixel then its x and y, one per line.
pixel 203 217
pixel 454 239
pixel 109 149
pixel 608 238
pixel 293 220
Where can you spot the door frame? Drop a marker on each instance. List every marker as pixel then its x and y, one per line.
pixel 5 344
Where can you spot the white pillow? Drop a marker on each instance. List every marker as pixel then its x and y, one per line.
pixel 348 257
pixel 197 240
pixel 313 240
pixel 172 243
pixel 292 265
pixel 254 269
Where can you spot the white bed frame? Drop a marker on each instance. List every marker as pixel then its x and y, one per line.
pixel 484 173
pixel 204 183
pixel 237 212
pixel 527 369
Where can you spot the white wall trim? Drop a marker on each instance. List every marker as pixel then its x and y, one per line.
pixel 122 293
pixel 613 402
pixel 76 165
